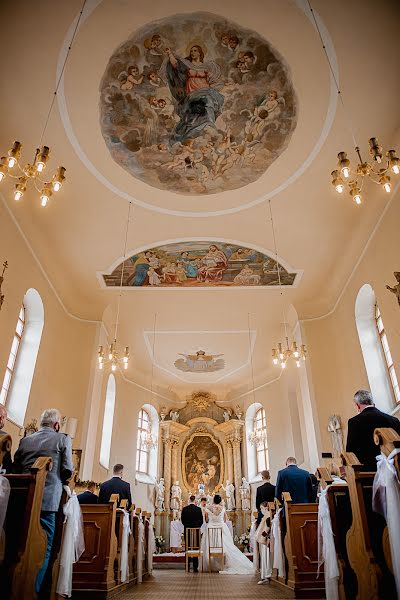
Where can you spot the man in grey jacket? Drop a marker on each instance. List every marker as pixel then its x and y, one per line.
pixel 48 441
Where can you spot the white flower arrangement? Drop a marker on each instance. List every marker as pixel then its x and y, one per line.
pixel 242 540
pixel 159 540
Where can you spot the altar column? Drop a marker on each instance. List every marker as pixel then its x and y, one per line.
pixel 167 471
pixel 237 463
pixel 229 461
pixel 174 468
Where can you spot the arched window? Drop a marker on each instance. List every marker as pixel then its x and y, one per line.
pixel 105 448
pixel 22 360
pixel 19 330
pixel 257 441
pixel 142 450
pixel 386 351
pixel 147 454
pixel 375 349
pixel 260 429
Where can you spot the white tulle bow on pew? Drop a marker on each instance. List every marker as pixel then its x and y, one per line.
pixel 151 548
pixel 4 496
pixel 326 548
pixel 73 544
pixel 140 550
pixel 386 501
pixel 126 531
pixel 279 557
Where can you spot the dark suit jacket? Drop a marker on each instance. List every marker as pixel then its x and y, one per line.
pixel 115 485
pixel 297 482
pixel 360 434
pixel 265 493
pixel 192 516
pixel 7 462
pixel 87 498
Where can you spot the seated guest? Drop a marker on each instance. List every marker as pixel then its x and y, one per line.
pixel 360 429
pixel 295 481
pixel 192 517
pixel 88 497
pixel 265 493
pixel 116 485
pixel 7 462
pixel 48 441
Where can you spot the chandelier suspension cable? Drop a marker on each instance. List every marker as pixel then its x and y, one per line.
pixel 62 71
pixel 251 357
pixel 153 361
pixel 278 267
pixel 339 91
pixel 122 272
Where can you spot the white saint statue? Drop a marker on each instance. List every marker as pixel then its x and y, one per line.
pixel 229 490
pixel 227 414
pixel 245 493
pixel 335 429
pixel 160 492
pixel 176 499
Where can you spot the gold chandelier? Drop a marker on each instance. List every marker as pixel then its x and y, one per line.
pixel 283 353
pixel 114 356
pixel 31 172
pixel 377 170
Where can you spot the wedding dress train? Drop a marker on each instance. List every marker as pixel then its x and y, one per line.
pixel 235 562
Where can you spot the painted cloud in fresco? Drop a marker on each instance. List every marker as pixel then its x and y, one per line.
pixel 198 264
pixel 196 104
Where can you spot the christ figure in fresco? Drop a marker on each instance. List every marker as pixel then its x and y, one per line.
pixel 191 81
pixel 213 265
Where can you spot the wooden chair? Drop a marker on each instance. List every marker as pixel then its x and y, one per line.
pixel 192 546
pixel 215 545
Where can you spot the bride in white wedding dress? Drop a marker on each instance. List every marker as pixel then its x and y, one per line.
pixel 235 562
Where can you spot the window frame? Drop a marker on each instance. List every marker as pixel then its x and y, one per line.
pixel 140 449
pixel 13 356
pixel 391 371
pixel 260 424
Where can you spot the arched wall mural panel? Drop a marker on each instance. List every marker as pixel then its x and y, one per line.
pixel 203 462
pixel 196 104
pixel 200 264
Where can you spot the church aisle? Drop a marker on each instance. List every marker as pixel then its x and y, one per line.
pixel 177 585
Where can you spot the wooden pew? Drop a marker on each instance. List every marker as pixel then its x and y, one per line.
pixel 5 446
pixel 93 575
pixel 146 522
pixel 301 549
pixel 25 539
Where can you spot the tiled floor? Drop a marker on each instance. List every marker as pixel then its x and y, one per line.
pixel 175 584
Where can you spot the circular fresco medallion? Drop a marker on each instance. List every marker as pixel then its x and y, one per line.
pixel 196 104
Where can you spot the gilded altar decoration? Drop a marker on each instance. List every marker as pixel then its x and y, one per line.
pixel 202 463
pixel 200 362
pixel 201 400
pixel 5 266
pixel 396 288
pixel 196 104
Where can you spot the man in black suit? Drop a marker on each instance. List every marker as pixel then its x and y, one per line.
pixel 192 516
pixel 7 462
pixel 360 429
pixel 265 493
pixel 295 481
pixel 88 497
pixel 115 485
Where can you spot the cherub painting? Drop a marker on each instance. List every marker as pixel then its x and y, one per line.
pixel 196 104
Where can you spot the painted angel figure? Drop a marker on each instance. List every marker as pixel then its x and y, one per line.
pixel 191 81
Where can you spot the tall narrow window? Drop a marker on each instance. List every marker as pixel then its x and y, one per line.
pixel 142 452
pixel 108 419
pixel 386 351
pixel 260 428
pixel 19 330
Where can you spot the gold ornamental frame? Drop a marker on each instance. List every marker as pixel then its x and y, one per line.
pixel 221 455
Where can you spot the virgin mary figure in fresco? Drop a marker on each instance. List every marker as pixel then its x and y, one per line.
pixel 191 81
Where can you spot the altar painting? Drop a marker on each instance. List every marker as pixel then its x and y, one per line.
pixel 202 463
pixel 196 104
pixel 199 264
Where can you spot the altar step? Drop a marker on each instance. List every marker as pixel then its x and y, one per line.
pixel 170 560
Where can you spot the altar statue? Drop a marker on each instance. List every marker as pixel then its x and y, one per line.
pixel 201 489
pixel 174 415
pixel 229 490
pixel 335 429
pixel 160 492
pixel 176 499
pixel 245 493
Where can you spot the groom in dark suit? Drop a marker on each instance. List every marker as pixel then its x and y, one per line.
pixel 265 493
pixel 192 517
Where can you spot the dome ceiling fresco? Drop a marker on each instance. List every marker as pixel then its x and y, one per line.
pixel 196 104
pixel 198 264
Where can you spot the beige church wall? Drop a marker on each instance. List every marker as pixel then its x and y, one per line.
pixel 336 359
pixel 61 374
